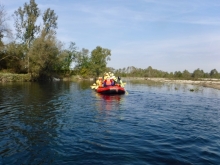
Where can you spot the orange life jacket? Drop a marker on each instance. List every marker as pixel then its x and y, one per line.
pixel 108 82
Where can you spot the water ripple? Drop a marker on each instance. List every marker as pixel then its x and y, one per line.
pixel 67 123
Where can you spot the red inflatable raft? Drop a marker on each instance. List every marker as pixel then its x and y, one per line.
pixel 110 90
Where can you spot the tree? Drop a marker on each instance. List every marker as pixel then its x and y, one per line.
pixel 43 56
pixel 13 58
pixel 25 24
pixel 198 73
pixel 82 61
pixel 177 74
pixel 110 69
pixel 149 71
pixel 4 30
pixel 66 58
pixel 99 58
pixel 186 74
pixel 213 73
pixel 49 21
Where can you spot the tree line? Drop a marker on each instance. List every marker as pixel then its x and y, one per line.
pixel 37 51
pixel 150 72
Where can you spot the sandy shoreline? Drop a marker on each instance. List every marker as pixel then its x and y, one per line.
pixel 212 83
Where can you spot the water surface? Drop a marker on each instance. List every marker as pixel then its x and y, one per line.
pixel 68 123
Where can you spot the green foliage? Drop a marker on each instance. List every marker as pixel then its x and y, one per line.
pixel 9 77
pixel 65 58
pixel 43 56
pixel 49 21
pixel 198 74
pixel 25 22
pixel 40 55
pixel 177 74
pixel 25 25
pixel 138 72
pixel 83 63
pixel 4 29
pixel 150 72
pixel 12 58
pixel 27 29
pixel 186 74
pixel 214 73
pixel 99 58
pixel 110 69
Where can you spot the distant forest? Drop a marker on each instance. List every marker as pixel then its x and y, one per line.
pixel 35 50
pixel 150 72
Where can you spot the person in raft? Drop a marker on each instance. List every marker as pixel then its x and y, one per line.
pixel 119 81
pixel 107 80
pixel 113 78
pixel 99 82
pixel 106 75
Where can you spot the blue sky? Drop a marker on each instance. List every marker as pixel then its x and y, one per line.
pixel 168 35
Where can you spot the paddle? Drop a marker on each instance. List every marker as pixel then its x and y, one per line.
pixel 122 84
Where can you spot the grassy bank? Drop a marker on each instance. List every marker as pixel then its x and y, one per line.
pixel 11 77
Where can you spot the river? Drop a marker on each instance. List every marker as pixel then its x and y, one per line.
pixel 68 123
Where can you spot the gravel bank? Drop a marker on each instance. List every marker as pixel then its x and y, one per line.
pixel 212 83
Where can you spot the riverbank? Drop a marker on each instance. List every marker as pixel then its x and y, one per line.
pixel 11 77
pixel 211 83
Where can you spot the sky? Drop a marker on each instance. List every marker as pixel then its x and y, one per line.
pixel 168 35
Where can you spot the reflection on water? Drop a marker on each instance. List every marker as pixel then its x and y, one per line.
pixel 108 102
pixel 28 120
pixel 68 123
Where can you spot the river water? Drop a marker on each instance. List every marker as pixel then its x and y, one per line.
pixel 68 123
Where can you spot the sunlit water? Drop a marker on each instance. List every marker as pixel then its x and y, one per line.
pixel 68 123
